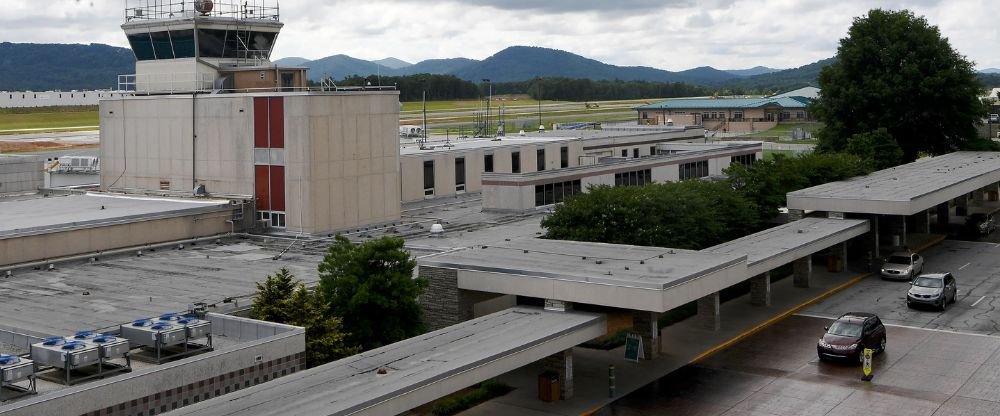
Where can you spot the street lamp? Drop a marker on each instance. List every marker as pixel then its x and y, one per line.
pixel 490 98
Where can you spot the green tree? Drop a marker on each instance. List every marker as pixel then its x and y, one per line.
pixel 877 148
pixel 371 287
pixel 325 339
pixel 283 299
pixel 766 182
pixel 269 303
pixel 896 71
pixel 688 215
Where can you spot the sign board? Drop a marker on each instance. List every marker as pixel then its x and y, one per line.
pixel 633 347
pixel 866 363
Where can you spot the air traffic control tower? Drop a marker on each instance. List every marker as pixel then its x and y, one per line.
pixel 203 45
pixel 211 116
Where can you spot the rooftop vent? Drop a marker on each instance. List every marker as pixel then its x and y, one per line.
pixel 437 229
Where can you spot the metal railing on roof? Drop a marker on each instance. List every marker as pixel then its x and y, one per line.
pixel 190 82
pixel 169 9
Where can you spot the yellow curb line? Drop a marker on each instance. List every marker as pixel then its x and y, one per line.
pixel 775 319
pixel 933 242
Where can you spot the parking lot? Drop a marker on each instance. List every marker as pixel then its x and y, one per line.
pixel 776 372
pixel 936 363
pixel 976 267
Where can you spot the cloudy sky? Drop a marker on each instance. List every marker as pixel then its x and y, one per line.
pixel 667 34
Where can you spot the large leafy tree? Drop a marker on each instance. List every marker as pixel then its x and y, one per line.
pixel 690 215
pixel 372 288
pixel 284 299
pixel 767 182
pixel 895 71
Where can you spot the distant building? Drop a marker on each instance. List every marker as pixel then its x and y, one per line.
pixel 730 115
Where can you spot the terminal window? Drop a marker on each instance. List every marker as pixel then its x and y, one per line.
pixel 488 163
pixel 638 177
pixel 540 160
pixel 515 162
pixel 554 193
pixel 428 178
pixel 564 157
pixel 694 170
pixel 745 160
pixel 460 174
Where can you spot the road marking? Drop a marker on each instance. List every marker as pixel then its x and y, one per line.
pixel 943 331
pixel 777 318
pixel 977 302
pixel 966 265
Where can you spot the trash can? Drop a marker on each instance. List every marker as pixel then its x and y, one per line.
pixel 548 386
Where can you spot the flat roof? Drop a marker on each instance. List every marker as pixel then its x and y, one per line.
pixel 439 146
pixel 723 103
pixel 124 288
pixel 39 214
pixel 773 247
pixel 905 189
pixel 420 369
pixel 595 263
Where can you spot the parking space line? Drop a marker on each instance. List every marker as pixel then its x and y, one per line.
pixel 977 302
pixel 966 265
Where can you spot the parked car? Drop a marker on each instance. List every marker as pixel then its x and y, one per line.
pixel 849 335
pixel 994 118
pixel 936 290
pixel 902 265
pixel 979 223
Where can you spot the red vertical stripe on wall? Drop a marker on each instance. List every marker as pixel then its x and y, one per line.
pixel 260 128
pixel 277 188
pixel 277 106
pixel 262 186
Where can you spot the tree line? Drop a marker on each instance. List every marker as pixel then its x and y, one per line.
pixel 450 87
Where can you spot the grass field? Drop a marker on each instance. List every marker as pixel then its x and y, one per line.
pixel 48 119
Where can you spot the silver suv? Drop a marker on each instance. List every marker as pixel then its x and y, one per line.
pixel 936 290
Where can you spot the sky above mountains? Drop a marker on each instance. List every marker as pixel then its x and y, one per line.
pixel 667 34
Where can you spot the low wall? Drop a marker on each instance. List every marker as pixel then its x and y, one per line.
pixel 21 173
pixel 87 240
pixel 170 386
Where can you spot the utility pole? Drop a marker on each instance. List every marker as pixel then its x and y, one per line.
pixel 488 100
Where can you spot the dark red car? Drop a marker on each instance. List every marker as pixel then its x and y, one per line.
pixel 849 335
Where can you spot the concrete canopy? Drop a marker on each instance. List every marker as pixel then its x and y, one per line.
pixel 621 276
pixel 906 189
pixel 774 247
pixel 419 369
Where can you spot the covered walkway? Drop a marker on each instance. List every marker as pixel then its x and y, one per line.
pixel 417 371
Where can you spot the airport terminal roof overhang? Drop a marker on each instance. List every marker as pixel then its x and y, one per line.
pixel 775 247
pixel 34 215
pixel 632 277
pixel 906 189
pixel 415 149
pixel 419 369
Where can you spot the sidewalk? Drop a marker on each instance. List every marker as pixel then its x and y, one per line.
pixel 682 343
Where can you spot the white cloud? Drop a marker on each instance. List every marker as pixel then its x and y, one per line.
pixel 672 34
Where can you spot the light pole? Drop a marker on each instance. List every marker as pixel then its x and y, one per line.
pixel 488 99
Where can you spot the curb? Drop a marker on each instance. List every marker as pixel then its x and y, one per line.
pixel 778 318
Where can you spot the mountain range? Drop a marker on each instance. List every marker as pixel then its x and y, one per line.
pixel 40 67
pixel 517 63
